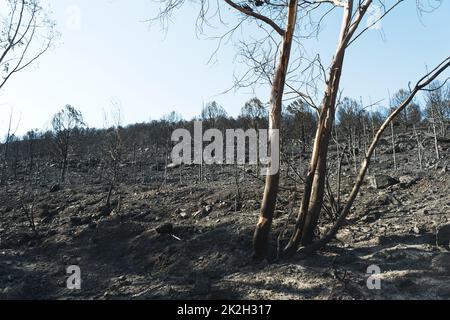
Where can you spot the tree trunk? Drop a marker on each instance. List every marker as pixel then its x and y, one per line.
pixel 312 201
pixel 63 169
pixel 419 147
pixel 436 145
pixel 393 146
pixel 261 235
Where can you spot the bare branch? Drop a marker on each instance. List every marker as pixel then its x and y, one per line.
pixel 248 11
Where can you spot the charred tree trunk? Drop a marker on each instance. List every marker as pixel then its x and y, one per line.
pixel 419 147
pixel 436 145
pixel 5 155
pixel 315 181
pixel 64 169
pixel 261 235
pixel 393 146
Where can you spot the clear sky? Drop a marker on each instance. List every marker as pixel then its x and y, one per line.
pixel 113 55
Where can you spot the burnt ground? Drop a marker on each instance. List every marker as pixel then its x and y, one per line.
pixel 399 227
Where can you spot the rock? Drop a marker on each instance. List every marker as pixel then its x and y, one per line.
pixel 441 263
pixel 383 181
pixel 443 235
pixel 55 188
pixel 166 228
pixel 407 181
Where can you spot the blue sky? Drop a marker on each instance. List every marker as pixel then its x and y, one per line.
pixel 114 55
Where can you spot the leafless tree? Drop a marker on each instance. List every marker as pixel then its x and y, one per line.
pixel 420 147
pixel 212 112
pixel 438 111
pixel 64 122
pixel 27 204
pixel 114 153
pixel 254 112
pixel 269 59
pixel 408 116
pixel 350 116
pixel 10 136
pixel 30 138
pixel 422 84
pixel 305 121
pixel 26 33
pixel 169 123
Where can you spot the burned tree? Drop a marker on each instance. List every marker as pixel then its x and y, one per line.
pixel 278 20
pixel 437 111
pixel 269 60
pixel 305 122
pixel 6 148
pixel 211 113
pixel 350 117
pixel 422 84
pixel 64 123
pixel 409 116
pixel 31 138
pixel 168 123
pixel 254 112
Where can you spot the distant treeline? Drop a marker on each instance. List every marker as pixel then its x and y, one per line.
pixel 70 139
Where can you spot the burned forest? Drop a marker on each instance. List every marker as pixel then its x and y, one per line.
pixel 306 189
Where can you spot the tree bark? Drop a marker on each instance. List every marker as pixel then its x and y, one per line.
pixel 261 235
pixel 315 181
